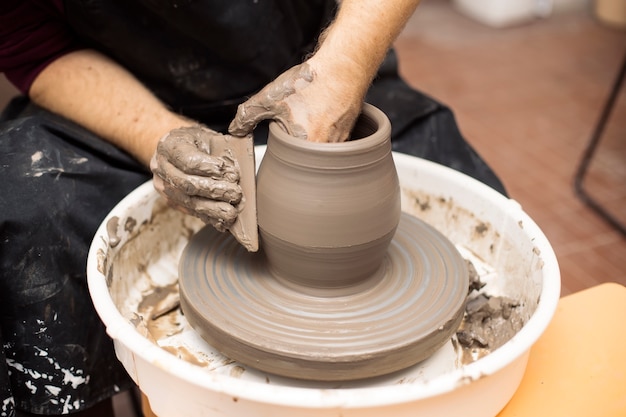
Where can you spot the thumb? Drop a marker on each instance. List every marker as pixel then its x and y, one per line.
pixel 251 113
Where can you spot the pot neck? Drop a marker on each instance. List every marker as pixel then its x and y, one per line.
pixel 369 144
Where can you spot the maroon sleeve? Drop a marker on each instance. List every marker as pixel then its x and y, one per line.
pixel 32 35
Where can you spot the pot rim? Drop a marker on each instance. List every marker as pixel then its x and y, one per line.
pixel 379 138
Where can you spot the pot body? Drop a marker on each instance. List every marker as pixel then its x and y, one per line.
pixel 328 211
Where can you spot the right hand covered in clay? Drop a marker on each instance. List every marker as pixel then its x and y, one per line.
pixel 195 181
pixel 320 99
pixel 307 103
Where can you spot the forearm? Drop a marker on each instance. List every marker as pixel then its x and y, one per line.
pixel 360 36
pixel 95 92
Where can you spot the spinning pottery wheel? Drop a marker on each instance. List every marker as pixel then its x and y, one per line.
pixel 346 287
pixel 399 316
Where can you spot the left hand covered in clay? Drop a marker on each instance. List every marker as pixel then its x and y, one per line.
pixel 195 181
pixel 307 102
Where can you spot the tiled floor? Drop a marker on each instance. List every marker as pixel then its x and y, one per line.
pixel 528 98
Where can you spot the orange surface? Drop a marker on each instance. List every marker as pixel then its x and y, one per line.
pixel 578 367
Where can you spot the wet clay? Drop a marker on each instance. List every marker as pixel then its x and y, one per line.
pixel 284 101
pixel 270 103
pixel 489 321
pixel 399 316
pixel 112 226
pixel 328 211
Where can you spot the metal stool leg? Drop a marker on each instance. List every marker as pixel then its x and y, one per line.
pixel 590 151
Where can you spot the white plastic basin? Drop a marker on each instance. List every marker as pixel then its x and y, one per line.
pixel 184 377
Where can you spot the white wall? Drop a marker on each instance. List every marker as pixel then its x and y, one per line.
pixel 501 13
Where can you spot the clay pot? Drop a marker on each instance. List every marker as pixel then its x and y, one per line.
pixel 328 211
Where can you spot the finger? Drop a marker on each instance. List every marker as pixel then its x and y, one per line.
pixel 219 214
pixel 158 185
pixel 269 103
pixel 195 185
pixel 251 113
pixel 341 129
pixel 330 135
pixel 292 128
pixel 183 151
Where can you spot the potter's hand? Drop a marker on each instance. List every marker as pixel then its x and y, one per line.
pixel 193 180
pixel 320 99
pixel 306 102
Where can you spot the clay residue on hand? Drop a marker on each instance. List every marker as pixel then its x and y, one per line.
pixel 190 150
pixel 196 176
pixel 489 321
pixel 270 104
